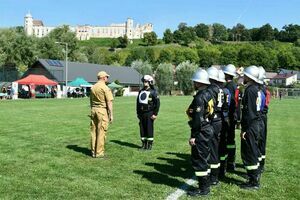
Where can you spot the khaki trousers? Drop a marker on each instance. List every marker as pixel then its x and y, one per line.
pixel 99 126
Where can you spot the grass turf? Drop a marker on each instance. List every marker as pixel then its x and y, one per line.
pixel 44 153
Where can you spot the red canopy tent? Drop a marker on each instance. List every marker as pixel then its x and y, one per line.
pixel 36 80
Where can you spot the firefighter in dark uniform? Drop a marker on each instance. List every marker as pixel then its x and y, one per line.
pixel 230 73
pixel 147 107
pixel 250 127
pixel 200 112
pixel 225 124
pixel 218 97
pixel 264 112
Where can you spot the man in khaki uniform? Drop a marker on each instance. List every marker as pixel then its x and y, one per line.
pixel 101 114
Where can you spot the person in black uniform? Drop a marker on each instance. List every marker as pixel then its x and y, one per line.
pixel 264 112
pixel 218 96
pixel 250 127
pixel 225 124
pixel 200 112
pixel 147 107
pixel 230 73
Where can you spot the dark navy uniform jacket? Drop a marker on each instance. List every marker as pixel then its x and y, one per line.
pixel 251 103
pixel 200 111
pixel 147 101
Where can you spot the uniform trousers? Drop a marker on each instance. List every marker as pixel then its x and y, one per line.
pixel 98 128
pixel 201 152
pixel 214 160
pixel 146 126
pixel 250 151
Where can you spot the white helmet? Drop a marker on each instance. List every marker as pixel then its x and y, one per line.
pixel 252 72
pixel 221 76
pixel 261 75
pixel 201 76
pixel 229 69
pixel 148 78
pixel 213 73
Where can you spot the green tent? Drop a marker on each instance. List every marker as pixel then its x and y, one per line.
pixel 113 85
pixel 78 82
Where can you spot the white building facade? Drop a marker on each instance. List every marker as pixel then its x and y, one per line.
pixel 36 28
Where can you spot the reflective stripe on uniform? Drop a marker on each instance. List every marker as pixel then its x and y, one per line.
pixel 259 158
pixel 209 170
pixel 143 138
pixel 230 146
pixel 263 156
pixel 215 166
pixel 150 139
pixel 252 167
pixel 223 157
pixel 202 173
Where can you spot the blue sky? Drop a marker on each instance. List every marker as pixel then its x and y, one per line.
pixel 162 13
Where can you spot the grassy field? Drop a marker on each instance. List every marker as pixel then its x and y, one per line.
pixel 44 153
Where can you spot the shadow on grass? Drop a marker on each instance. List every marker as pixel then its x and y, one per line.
pixel 169 172
pixel 127 144
pixel 82 150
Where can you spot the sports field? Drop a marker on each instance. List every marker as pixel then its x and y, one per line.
pixel 44 153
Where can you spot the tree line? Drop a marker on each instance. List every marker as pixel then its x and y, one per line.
pixel 217 33
pixel 20 51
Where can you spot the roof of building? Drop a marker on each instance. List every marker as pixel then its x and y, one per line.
pixel 284 76
pixel 125 75
pixel 283 71
pixel 37 23
pixel 270 75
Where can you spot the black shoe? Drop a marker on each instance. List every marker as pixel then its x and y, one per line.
pixel 250 186
pixel 198 192
pixel 230 167
pixel 214 181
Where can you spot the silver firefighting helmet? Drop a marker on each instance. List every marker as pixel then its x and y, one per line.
pixel 229 69
pixel 213 73
pixel 261 75
pixel 221 76
pixel 148 78
pixel 252 72
pixel 201 76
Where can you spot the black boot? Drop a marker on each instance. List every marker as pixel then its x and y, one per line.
pixel 222 171
pixel 144 145
pixel 203 189
pixel 253 182
pixel 214 177
pixel 262 166
pixel 149 145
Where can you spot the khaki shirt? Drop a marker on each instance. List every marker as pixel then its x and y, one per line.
pixel 100 95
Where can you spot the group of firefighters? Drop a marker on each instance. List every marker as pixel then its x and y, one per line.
pixel 213 115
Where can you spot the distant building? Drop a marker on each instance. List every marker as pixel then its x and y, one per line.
pixel 55 70
pixel 284 79
pixel 85 32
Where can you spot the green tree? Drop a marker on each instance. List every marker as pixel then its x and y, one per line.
pixel 209 56
pixel 123 41
pixel 184 73
pixel 142 67
pixel 150 55
pixel 239 33
pixel 266 33
pixel 65 35
pixel 219 33
pixel 164 77
pixel 150 38
pixel 286 59
pixel 165 56
pixel 168 36
pixel 202 31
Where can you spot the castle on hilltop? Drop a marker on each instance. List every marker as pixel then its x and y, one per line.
pixel 36 28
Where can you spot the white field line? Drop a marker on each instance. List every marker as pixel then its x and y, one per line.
pixel 182 189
